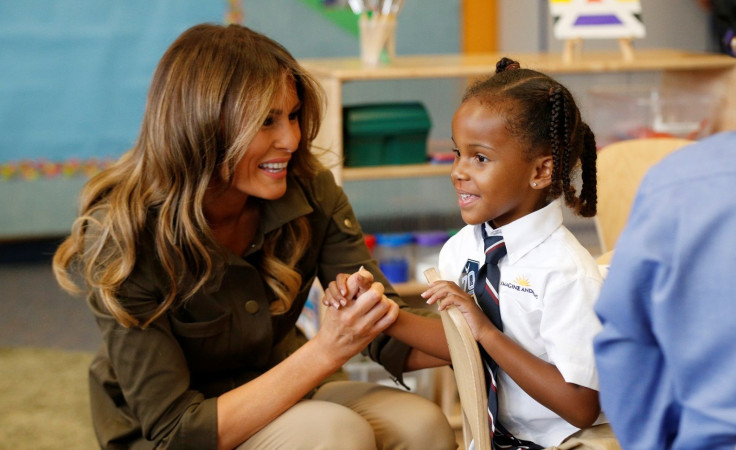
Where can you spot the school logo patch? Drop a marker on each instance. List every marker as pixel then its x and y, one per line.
pixel 468 276
pixel 521 284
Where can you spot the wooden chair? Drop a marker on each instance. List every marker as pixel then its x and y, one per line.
pixel 468 371
pixel 469 377
pixel 621 167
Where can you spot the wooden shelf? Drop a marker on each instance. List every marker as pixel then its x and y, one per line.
pixel 469 65
pixel 402 171
pixel 680 69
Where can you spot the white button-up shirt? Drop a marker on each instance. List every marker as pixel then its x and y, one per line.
pixel 549 283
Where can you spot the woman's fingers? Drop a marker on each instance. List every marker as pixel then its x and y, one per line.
pixel 332 297
pixel 370 306
pixel 347 287
pixel 337 292
pixel 359 282
pixel 389 316
pixel 351 328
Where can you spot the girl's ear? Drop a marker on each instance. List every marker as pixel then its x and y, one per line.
pixel 542 174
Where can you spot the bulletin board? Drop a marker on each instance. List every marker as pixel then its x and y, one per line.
pixel 75 75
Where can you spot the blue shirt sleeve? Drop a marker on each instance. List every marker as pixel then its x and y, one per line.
pixel 666 355
pixel 635 383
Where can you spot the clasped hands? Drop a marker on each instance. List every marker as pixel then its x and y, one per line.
pixel 358 291
pixel 357 310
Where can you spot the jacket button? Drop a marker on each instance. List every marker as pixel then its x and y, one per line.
pixel 251 306
pixel 348 223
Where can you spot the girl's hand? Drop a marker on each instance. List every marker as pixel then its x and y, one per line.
pixel 349 329
pixel 446 293
pixel 347 287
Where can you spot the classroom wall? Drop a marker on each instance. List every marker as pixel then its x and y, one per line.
pixel 40 208
pixel 75 74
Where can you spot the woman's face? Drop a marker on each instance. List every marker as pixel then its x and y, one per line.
pixel 261 172
pixel 491 175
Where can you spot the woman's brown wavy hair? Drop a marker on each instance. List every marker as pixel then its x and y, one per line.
pixel 211 91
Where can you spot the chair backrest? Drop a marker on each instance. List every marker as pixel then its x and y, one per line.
pixel 468 370
pixel 621 167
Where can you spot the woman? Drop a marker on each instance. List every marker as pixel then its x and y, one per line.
pixel 198 249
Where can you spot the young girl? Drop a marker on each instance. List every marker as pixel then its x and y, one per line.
pixel 518 138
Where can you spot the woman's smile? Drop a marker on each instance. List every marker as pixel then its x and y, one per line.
pixel 275 168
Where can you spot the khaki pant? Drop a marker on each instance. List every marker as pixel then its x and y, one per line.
pixel 353 415
pixel 599 437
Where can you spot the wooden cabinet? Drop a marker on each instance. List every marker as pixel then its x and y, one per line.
pixel 680 70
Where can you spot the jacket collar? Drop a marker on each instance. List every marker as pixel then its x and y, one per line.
pixel 274 214
pixel 292 204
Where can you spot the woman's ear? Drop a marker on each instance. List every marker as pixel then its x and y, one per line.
pixel 542 174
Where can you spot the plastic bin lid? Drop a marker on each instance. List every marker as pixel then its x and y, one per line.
pixel 394 239
pixel 386 118
pixel 430 238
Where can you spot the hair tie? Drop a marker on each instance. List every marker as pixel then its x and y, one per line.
pixel 505 64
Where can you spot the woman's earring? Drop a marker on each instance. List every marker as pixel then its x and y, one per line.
pixel 534 184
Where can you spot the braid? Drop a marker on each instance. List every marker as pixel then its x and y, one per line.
pixel 588 192
pixel 567 189
pixel 555 96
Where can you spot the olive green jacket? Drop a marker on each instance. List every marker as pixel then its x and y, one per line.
pixel 157 387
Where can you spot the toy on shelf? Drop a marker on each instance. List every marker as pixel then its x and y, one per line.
pixel 575 20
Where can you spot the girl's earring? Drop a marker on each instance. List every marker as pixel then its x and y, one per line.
pixel 534 184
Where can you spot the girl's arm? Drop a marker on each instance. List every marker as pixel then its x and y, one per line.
pixel 425 335
pixel 541 380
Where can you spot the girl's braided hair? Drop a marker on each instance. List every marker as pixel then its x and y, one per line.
pixel 542 113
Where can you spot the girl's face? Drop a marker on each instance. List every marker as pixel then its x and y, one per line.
pixel 261 172
pixel 491 174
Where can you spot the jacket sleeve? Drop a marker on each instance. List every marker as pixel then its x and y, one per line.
pixel 153 377
pixel 344 251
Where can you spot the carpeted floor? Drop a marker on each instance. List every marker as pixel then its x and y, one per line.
pixel 45 404
pixel 47 339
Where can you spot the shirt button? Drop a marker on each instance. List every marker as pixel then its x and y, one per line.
pixel 251 306
pixel 348 223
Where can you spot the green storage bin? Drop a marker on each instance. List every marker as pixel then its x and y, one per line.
pixel 385 134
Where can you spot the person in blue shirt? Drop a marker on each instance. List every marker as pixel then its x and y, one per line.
pixel 666 356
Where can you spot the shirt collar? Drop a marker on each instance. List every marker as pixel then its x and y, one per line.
pixel 526 233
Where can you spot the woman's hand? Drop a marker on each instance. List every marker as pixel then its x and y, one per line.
pixel 348 329
pixel 346 288
pixel 446 293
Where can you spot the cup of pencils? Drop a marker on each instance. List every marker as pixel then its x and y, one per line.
pixel 377 24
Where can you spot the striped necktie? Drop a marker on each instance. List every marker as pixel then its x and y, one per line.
pixel 486 292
